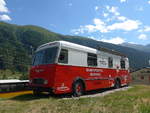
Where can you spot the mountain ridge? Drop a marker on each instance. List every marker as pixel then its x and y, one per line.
pixel 145 48
pixel 16 42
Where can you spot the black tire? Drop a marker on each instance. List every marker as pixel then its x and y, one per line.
pixel 128 84
pixel 117 84
pixel 78 89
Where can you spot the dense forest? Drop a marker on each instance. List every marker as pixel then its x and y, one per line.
pixel 17 44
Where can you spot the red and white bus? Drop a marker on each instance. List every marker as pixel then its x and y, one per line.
pixel 63 67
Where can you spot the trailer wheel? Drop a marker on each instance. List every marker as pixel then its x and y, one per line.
pixel 117 84
pixel 78 89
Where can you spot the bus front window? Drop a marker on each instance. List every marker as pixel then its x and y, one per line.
pixel 46 56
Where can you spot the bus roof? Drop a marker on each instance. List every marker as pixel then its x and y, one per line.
pixel 81 48
pixel 69 45
pixel 78 47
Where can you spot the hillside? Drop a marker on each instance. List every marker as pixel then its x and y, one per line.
pixel 134 100
pixel 148 45
pixel 139 47
pixel 17 42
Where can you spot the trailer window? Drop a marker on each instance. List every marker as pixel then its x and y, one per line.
pixel 92 59
pixel 122 63
pixel 63 58
pixel 110 62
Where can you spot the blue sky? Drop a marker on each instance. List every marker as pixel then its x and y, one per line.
pixel 113 21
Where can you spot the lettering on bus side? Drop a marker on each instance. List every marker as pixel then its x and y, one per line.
pixel 94 72
pixel 102 62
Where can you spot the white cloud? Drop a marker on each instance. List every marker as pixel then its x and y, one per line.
pixel 127 25
pixel 145 29
pixel 113 10
pixel 107 7
pixel 96 8
pixel 123 1
pixel 98 21
pixel 132 42
pixel 100 26
pixel 110 23
pixel 5 17
pixel 142 37
pixel 116 14
pixel 121 18
pixel 81 30
pixel 116 40
pixel 105 15
pixel 3 8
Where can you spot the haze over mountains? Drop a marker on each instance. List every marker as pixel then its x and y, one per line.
pixel 145 48
pixel 17 42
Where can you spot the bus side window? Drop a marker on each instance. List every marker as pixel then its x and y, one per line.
pixel 63 57
pixel 122 63
pixel 110 62
pixel 92 59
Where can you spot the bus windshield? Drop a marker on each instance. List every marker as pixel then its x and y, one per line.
pixel 46 56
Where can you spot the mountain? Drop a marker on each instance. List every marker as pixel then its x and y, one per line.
pixel 17 42
pixel 139 47
pixel 148 45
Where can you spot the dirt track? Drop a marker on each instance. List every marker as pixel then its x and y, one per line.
pixel 100 93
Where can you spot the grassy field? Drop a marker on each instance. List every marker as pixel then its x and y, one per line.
pixel 8 74
pixel 134 100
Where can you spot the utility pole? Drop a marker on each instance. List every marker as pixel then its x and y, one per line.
pixel 31 47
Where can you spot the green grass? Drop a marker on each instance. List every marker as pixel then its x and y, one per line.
pixel 8 74
pixel 134 100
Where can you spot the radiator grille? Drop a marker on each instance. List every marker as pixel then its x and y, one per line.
pixel 38 81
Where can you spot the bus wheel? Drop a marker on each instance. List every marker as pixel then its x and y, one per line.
pixel 117 84
pixel 78 89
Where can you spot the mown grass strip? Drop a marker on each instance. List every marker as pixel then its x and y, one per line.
pixel 134 100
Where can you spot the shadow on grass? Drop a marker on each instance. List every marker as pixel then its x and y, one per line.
pixel 30 97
